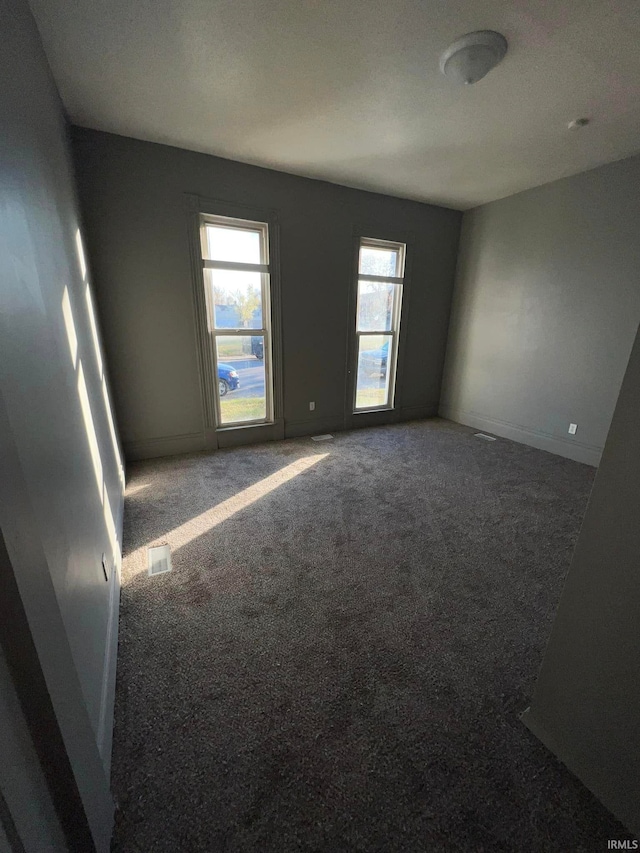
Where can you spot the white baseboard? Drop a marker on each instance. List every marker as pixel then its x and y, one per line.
pixel 569 448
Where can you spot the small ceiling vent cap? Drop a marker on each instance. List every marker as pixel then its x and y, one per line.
pixel 471 57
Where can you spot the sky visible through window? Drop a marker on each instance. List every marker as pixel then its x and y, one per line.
pixel 378 261
pixel 233 244
pixel 237 297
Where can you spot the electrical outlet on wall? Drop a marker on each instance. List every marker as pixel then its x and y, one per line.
pixel 573 429
pixel 312 407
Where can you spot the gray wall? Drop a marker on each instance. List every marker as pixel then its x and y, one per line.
pixel 26 807
pixel 61 489
pixel 546 306
pixel 586 705
pixel 133 197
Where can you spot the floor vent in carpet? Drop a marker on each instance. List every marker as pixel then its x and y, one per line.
pixel 159 560
pixel 482 435
pixel 326 437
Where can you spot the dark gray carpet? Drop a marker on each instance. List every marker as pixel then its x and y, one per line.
pixel 340 665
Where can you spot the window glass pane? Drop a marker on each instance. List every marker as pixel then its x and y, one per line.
pixel 372 384
pixel 375 305
pixel 233 244
pixel 378 261
pixel 241 378
pixel 236 298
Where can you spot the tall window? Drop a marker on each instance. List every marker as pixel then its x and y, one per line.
pixel 379 304
pixel 235 258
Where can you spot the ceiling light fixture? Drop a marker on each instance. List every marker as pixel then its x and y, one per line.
pixel 472 56
pixel 577 123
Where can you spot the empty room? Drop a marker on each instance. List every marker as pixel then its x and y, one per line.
pixel 319 394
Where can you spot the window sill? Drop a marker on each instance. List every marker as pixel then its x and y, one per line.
pixel 251 425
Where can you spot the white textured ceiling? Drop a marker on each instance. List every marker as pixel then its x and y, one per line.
pixel 350 90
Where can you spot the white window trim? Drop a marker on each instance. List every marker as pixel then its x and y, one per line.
pixel 265 332
pixel 394 332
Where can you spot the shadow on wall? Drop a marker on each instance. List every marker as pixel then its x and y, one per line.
pixel 464 307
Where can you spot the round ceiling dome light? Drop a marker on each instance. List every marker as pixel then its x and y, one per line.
pixel 578 123
pixel 471 57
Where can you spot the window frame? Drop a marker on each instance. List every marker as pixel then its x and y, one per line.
pixel 264 269
pixel 396 320
pixel 212 436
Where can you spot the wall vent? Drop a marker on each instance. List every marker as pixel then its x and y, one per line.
pixel 325 437
pixel 484 435
pixel 159 559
